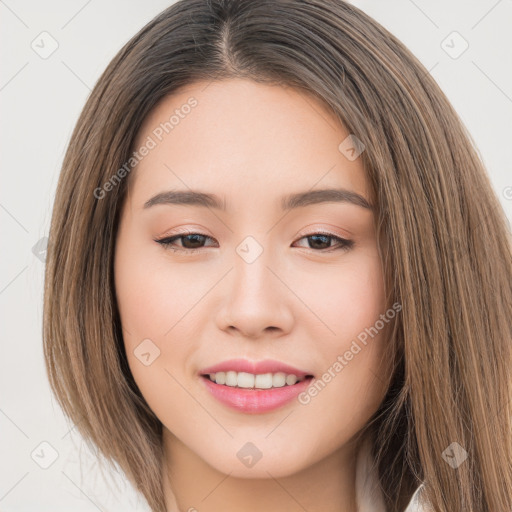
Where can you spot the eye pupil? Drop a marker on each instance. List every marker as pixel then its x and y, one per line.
pixel 325 240
pixel 195 238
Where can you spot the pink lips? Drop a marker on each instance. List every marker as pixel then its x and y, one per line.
pixel 255 401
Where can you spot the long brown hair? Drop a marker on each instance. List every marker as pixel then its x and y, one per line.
pixel 442 233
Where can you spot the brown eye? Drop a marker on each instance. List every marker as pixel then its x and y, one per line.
pixel 191 242
pixel 321 242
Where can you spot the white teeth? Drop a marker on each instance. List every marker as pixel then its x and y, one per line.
pixel 249 380
pixel 278 380
pixel 291 380
pixel 231 379
pixel 263 381
pixel 219 378
pixel 245 380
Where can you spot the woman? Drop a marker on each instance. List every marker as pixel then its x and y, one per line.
pixel 255 368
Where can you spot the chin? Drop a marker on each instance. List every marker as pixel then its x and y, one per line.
pixel 249 462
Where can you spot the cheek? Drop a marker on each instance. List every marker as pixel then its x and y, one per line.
pixel 354 356
pixel 152 294
pixel 154 305
pixel 346 298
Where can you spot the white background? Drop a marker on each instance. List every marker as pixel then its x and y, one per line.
pixel 40 101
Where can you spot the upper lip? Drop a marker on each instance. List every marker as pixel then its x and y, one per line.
pixel 255 367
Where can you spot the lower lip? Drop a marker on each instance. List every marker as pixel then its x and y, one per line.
pixel 255 401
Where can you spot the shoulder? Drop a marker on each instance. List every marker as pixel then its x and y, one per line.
pixel 368 494
pixel 415 505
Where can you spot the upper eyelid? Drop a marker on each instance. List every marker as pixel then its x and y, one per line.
pixel 300 235
pixel 307 231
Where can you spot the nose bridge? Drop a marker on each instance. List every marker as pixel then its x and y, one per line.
pixel 254 299
pixel 251 273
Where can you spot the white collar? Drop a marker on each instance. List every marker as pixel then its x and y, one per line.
pixel 368 494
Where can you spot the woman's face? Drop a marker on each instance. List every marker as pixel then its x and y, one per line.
pixel 253 280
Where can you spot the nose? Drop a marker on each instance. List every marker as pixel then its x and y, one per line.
pixel 256 300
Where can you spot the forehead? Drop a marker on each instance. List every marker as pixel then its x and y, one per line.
pixel 243 137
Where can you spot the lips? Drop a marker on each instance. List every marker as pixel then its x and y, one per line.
pixel 253 400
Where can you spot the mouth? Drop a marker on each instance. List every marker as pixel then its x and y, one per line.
pixel 255 394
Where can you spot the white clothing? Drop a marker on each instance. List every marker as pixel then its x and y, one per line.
pixel 368 494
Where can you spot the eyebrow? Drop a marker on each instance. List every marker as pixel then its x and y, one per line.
pixel 289 202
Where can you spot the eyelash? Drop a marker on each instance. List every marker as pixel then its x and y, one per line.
pixel 343 243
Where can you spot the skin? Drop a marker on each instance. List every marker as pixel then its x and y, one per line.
pixel 298 303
